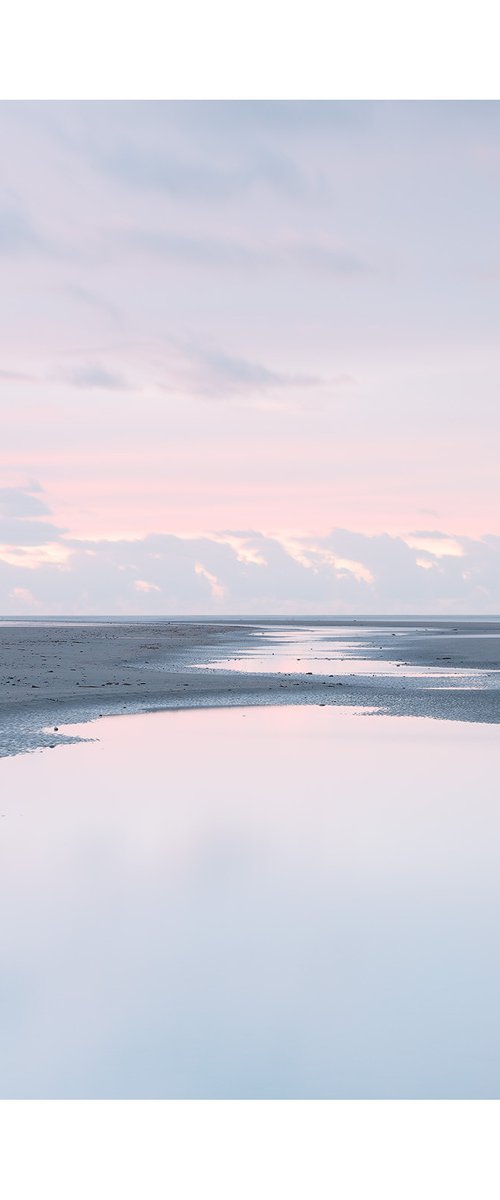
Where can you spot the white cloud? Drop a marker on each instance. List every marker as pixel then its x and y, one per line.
pixel 216 588
pixel 249 572
pixel 25 599
pixel 142 585
pixel 438 544
pixel 94 375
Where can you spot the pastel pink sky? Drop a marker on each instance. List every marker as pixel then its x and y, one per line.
pixel 270 317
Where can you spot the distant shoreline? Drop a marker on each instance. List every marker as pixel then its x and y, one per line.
pixel 301 619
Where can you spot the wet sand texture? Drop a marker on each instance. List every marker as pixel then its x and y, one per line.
pixel 55 673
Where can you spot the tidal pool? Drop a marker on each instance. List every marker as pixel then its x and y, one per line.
pixel 266 902
pixel 331 651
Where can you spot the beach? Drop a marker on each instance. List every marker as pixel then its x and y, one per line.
pixel 240 861
pixel 290 902
pixel 56 672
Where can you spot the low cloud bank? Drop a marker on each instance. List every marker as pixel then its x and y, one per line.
pixel 43 570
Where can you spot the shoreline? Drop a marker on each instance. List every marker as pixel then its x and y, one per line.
pixel 55 673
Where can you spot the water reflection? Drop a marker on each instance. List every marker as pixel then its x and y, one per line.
pixel 266 902
pixel 331 651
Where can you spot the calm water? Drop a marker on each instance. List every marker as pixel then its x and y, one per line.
pixel 324 651
pixel 279 902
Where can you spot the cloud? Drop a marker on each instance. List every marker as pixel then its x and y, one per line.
pixel 206 371
pixel 17 234
pixel 150 162
pixel 316 258
pixel 198 150
pixel 216 589
pixel 25 599
pixel 435 542
pixel 324 259
pixel 142 585
pixel 201 153
pixel 236 571
pixel 22 501
pixel 219 369
pixel 20 526
pixel 429 533
pixel 295 117
pixel 248 572
pixel 86 298
pixel 93 375
pixel 17 377
pixel 21 532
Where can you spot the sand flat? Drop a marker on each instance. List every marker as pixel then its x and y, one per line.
pixel 54 672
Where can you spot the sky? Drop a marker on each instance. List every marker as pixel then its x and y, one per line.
pixel 249 357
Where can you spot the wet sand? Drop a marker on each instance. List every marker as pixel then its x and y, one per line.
pixel 59 672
